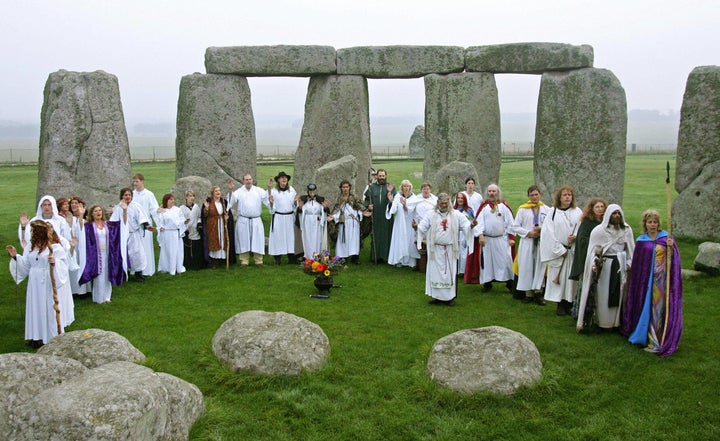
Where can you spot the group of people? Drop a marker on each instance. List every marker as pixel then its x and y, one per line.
pixel 578 259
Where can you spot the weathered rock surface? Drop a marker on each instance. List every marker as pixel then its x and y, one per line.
pixel 281 60
pixel 400 61
pixel 119 400
pixel 462 123
pixel 270 343
pixel 329 176
pixel 581 134
pixel 215 128
pixel 708 258
pixel 199 185
pixel 93 347
pixel 491 359
pixel 337 123
pixel 694 212
pixel 451 177
pixel 416 146
pixel 24 375
pixel 528 57
pixel 84 147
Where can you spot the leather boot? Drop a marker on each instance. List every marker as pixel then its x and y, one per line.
pixel 539 299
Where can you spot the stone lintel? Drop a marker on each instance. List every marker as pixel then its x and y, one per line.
pixel 400 61
pixel 268 61
pixel 529 58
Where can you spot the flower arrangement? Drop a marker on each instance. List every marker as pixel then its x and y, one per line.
pixel 323 265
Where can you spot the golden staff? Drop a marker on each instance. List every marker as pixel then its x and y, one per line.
pixel 56 302
pixel 668 255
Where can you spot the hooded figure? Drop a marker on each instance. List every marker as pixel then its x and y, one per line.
pixel 609 256
pixel 48 213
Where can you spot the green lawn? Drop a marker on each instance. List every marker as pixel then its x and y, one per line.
pixel 381 329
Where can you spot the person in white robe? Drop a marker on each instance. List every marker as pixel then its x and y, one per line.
pixel 403 251
pixel 133 224
pixel 494 221
pixel 171 225
pixel 312 211
pixel 146 199
pixel 474 199
pixel 283 203
pixel 347 214
pixel 557 248
pixel 249 230
pixel 192 241
pixel 420 205
pixel 77 208
pixel 44 290
pixel 528 225
pixel 610 252
pixel 47 211
pixel 441 229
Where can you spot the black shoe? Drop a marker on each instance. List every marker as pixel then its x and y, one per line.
pixel 435 302
pixel 539 299
pixel 561 309
pixel 450 302
pixel 527 300
pixel 510 286
pixel 277 260
pixel 487 287
pixel 139 278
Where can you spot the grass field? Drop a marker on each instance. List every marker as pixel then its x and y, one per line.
pixel 381 330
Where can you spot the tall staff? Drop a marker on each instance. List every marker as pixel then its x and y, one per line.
pixel 51 261
pixel 226 216
pixel 668 254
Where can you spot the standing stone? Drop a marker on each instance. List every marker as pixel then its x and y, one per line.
pixel 462 123
pixel 581 134
pixel 416 146
pixel 694 212
pixel 400 61
pixel 199 185
pixel 215 128
pixel 84 146
pixel 337 123
pixel 451 177
pixel 528 57
pixel 329 176
pixel 282 60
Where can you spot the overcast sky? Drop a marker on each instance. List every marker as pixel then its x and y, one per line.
pixel 651 46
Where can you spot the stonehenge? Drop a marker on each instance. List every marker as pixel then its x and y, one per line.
pixel 581 118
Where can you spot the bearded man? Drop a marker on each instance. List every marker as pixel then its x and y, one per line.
pixel 441 229
pixel 378 198
pixel 607 263
pixel 495 219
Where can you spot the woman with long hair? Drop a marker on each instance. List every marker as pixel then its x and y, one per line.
pixel 403 251
pixel 592 216
pixel 77 229
pixel 44 264
pixel 192 240
pixel 171 225
pixel 103 263
pixel 468 264
pixel 217 229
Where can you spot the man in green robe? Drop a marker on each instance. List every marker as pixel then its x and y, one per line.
pixel 378 197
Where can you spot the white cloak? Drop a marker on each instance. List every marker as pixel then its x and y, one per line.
pixel 554 244
pixel 171 227
pixel 531 270
pixel 146 200
pixel 249 229
pixel 496 254
pixel 312 226
pixel 402 243
pixel 282 222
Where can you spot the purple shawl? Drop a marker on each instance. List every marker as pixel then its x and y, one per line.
pixel 635 320
pixel 115 268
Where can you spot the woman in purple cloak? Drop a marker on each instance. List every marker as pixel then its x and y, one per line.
pixel 653 312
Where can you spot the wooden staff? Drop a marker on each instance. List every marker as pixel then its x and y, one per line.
pixel 56 302
pixel 227 238
pixel 668 255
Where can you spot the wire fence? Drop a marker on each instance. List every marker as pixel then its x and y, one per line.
pixel 25 155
